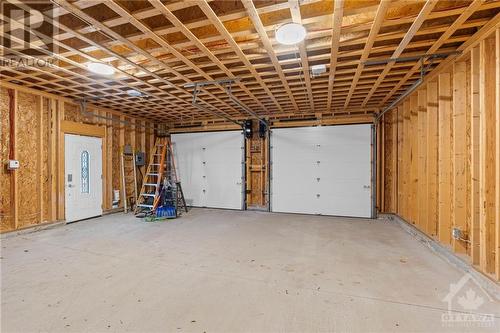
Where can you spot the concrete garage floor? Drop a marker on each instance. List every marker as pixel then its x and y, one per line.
pixel 225 271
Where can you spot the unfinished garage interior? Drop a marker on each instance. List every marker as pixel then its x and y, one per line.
pixel 250 166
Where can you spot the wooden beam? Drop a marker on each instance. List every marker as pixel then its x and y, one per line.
pixel 445 158
pixel 79 13
pixel 417 23
pixel 497 209
pixel 121 141
pixel 487 154
pixel 423 154
pixel 413 181
pixel 110 161
pixel 60 162
pixel 14 192
pixel 473 7
pixel 338 13
pixel 52 159
pixel 377 23
pixel 432 158
pixel 406 160
pixel 459 216
pixel 39 156
pixel 182 28
pixel 266 42
pixel 71 127
pixel 304 60
pixel 216 21
pixel 121 10
pixel 474 153
pixel 394 161
pixel 400 139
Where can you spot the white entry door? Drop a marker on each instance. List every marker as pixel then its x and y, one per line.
pixel 322 170
pixel 209 166
pixel 83 169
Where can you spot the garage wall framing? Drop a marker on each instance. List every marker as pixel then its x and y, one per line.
pixel 458 136
pixel 37 121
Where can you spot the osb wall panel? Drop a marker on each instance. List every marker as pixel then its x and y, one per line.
pixel 4 155
pixel 445 156
pixel 27 148
pixel 72 113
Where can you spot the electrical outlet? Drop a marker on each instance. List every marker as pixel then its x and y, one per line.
pixel 456 233
pixel 13 165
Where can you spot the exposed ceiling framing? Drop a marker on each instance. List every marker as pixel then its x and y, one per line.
pixel 159 46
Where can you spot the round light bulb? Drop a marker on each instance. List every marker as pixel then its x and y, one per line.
pixel 290 33
pixel 100 68
pixel 134 93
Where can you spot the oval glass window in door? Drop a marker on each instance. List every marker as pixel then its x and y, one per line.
pixel 85 161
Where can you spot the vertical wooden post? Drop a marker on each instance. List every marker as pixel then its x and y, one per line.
pixel 109 157
pixel 445 195
pixel 61 176
pixel 422 211
pixel 122 176
pixel 39 155
pixel 413 139
pixel 52 159
pixel 142 146
pixel 432 158
pixel 105 152
pixel 406 159
pixel 399 205
pixel 394 160
pixel 487 154
pixel 133 142
pixel 401 163
pixel 459 153
pixel 14 195
pixel 497 182
pixel 382 164
pixel 475 166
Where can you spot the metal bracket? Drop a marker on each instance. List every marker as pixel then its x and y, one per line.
pixel 413 58
pixel 195 103
pixel 423 71
pixel 83 110
pixel 226 83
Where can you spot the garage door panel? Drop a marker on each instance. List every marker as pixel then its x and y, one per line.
pixel 210 169
pixel 340 156
pixel 301 203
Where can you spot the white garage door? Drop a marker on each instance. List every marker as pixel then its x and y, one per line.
pixel 209 166
pixel 322 170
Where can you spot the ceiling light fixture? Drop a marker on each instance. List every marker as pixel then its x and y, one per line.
pixel 134 93
pixel 101 68
pixel 290 33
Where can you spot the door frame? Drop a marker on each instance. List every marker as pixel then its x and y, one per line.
pixel 71 127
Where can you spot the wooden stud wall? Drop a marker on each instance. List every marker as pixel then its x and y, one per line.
pixel 441 156
pixel 34 194
pixel 256 171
